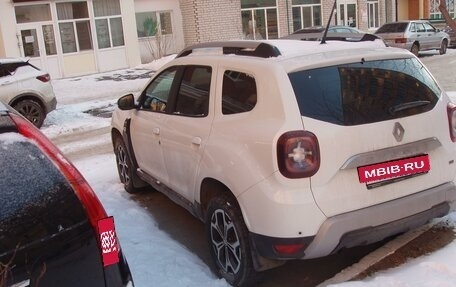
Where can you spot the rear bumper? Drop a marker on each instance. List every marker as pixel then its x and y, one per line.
pixel 366 225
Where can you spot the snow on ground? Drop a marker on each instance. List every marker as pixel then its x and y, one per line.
pixel 155 259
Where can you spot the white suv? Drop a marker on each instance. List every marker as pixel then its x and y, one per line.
pixel 27 89
pixel 291 149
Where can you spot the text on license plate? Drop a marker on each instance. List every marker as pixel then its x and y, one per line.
pixel 393 169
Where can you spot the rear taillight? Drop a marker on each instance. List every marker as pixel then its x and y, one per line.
pixel 400 40
pixel 84 192
pixel 298 154
pixel 44 78
pixel 451 109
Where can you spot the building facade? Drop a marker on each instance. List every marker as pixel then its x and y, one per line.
pixel 76 37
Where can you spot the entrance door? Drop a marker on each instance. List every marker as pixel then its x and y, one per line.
pixel 38 43
pixel 347 14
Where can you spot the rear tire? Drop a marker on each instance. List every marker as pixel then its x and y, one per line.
pixel 229 243
pixel 124 166
pixel 32 111
pixel 415 49
pixel 443 47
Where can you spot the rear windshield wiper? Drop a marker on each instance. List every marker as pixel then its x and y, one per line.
pixel 408 105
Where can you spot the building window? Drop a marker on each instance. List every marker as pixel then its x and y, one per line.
pixel 108 23
pixel 74 26
pixel 148 24
pixel 435 12
pixel 306 13
pixel 33 13
pixel 259 19
pixel 373 20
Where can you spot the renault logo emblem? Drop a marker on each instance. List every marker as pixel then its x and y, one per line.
pixel 398 132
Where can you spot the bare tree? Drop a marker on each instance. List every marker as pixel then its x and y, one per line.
pixel 158 45
pixel 443 9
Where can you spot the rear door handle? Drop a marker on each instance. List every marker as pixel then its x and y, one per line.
pixel 156 131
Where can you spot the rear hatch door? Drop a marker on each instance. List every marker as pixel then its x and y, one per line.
pixel 370 113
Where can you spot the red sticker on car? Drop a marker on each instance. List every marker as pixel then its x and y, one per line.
pixel 108 240
pixel 393 169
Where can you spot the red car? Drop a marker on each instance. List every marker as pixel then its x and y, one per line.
pixel 53 229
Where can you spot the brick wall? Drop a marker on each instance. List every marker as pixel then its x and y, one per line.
pixel 211 20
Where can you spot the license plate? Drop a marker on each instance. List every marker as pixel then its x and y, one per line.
pixel 394 169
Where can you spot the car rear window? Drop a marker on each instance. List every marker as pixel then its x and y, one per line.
pixel 37 201
pixel 365 92
pixel 392 28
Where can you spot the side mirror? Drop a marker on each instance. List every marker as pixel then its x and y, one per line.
pixel 126 102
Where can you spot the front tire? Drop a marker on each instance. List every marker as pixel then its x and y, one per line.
pixel 229 243
pixel 415 49
pixel 124 166
pixel 443 47
pixel 32 111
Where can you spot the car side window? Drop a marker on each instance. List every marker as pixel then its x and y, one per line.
pixel 193 96
pixel 420 27
pixel 429 28
pixel 156 95
pixel 239 92
pixel 412 27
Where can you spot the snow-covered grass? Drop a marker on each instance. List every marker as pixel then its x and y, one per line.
pixel 156 259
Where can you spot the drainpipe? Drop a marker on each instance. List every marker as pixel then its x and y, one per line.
pixel 288 17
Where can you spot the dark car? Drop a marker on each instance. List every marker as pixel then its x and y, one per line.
pixel 53 229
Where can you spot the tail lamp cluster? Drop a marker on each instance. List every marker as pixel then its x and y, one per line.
pixel 44 78
pixel 298 154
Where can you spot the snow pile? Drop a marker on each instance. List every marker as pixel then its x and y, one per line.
pixel 157 64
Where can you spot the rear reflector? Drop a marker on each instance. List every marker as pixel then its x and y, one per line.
pixel 288 249
pixel 400 40
pixel 108 240
pixel 44 78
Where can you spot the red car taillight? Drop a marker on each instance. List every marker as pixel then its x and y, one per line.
pixel 84 192
pixel 298 154
pixel 400 40
pixel 44 78
pixel 451 109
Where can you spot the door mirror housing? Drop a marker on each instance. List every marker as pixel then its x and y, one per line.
pixel 126 102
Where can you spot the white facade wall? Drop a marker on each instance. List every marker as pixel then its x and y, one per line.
pixel 172 43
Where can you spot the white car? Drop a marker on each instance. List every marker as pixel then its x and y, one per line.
pixel 291 149
pixel 27 89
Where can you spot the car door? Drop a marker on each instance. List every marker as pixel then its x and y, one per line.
pixel 147 124
pixel 432 37
pixel 8 83
pixel 420 36
pixel 187 128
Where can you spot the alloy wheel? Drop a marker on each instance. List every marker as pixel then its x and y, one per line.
pixel 225 241
pixel 122 163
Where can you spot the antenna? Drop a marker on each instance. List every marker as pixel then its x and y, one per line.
pixel 323 40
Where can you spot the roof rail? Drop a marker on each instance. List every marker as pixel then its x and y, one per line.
pixel 245 48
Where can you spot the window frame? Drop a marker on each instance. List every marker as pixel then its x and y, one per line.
pixel 312 13
pixel 159 28
pixel 74 23
pixel 108 18
pixel 264 9
pixel 373 5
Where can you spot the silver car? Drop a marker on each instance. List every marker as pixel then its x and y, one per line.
pixel 415 36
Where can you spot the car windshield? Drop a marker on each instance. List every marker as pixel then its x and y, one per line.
pixel 365 92
pixel 392 28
